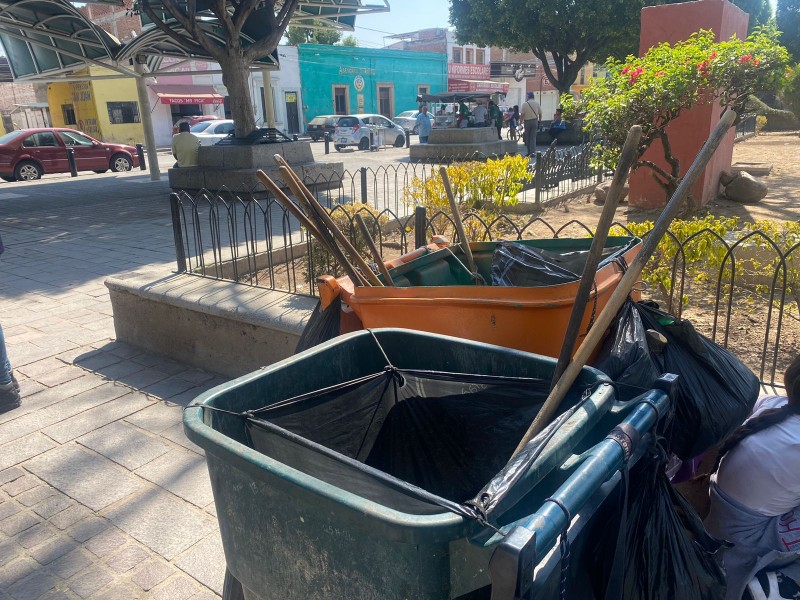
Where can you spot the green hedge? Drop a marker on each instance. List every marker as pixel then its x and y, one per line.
pixel 777 119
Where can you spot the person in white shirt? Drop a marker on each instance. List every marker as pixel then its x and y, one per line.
pixel 755 490
pixel 479 116
pixel 185 147
pixel 530 114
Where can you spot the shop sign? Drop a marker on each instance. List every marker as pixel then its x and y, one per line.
pixel 459 70
pixel 356 71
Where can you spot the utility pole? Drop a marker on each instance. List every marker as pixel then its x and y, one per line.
pixel 147 120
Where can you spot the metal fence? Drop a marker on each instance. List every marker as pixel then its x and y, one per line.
pixel 746 128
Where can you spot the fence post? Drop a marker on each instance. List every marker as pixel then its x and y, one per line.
pixel 537 179
pixel 73 167
pixel 408 138
pixel 177 232
pixel 327 137
pixel 364 184
pixel 420 227
pixel 140 152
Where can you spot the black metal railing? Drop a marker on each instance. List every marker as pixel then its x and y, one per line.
pixel 750 290
pixel 746 128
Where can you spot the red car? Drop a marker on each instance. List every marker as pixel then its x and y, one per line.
pixel 28 154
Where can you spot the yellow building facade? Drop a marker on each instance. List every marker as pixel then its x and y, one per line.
pixel 106 109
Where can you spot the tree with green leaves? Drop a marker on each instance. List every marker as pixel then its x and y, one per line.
pixel 315 34
pixel 562 34
pixel 655 89
pixel 235 33
pixel 350 40
pixel 787 18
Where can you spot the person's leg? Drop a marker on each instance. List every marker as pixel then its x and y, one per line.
pixel 500 131
pixel 423 139
pixel 9 394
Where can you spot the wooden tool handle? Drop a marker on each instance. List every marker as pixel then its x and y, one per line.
pixel 628 280
pixel 374 250
pixel 462 234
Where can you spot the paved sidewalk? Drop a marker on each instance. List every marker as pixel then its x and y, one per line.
pixel 101 494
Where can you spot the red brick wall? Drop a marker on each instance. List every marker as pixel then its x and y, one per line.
pixel 114 20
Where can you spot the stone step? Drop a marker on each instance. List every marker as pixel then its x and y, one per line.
pixel 463 136
pixel 435 151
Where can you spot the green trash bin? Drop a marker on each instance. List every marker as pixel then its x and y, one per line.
pixel 302 512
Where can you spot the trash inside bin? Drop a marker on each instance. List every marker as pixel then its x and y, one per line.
pixel 364 466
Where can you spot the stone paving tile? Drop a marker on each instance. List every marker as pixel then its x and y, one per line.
pixel 151 573
pixel 125 444
pixel 177 435
pixel 42 367
pixel 8 508
pixel 33 586
pixel 10 475
pixel 65 467
pixel 157 418
pixel 143 378
pixel 106 542
pixel 52 505
pixel 196 376
pixel 35 536
pixel 59 376
pixel 120 591
pixel 46 553
pixel 205 595
pixel 35 495
pixel 121 370
pixel 183 473
pixel 8 551
pixel 87 583
pixel 18 523
pixel 23 484
pixel 69 516
pixel 167 388
pixel 128 558
pixel 96 417
pixel 161 522
pixel 27 353
pixel 88 528
pixel 205 561
pixel 22 449
pixel 97 361
pixel 177 587
pixel 51 396
pixel 71 563
pixel 16 570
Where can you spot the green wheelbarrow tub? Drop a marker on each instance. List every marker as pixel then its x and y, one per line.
pixel 289 533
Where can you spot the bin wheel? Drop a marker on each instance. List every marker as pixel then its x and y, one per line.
pixel 231 588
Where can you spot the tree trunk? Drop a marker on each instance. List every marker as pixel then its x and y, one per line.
pixel 235 76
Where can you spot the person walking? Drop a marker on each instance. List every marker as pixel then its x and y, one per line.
pixel 496 117
pixel 185 147
pixel 9 388
pixel 423 125
pixel 530 113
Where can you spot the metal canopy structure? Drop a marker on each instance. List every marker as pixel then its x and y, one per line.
pixel 47 40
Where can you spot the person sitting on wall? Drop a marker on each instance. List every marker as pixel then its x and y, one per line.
pixel 185 147
pixel 755 493
pixel 558 126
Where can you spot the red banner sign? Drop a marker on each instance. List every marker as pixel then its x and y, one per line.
pixel 468 71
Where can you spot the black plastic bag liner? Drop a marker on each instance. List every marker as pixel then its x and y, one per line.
pixel 666 553
pixel 515 264
pixel 322 325
pixel 715 392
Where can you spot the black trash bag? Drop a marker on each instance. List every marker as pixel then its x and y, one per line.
pixel 322 325
pixel 667 553
pixel 715 393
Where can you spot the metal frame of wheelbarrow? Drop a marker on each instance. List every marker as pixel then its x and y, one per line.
pixel 526 542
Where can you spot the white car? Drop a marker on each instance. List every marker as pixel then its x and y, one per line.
pixel 354 130
pixel 210 132
pixel 408 120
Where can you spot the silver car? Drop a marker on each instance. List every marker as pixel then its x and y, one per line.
pixel 354 130
pixel 210 132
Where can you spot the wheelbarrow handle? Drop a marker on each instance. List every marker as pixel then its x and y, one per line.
pixel 522 543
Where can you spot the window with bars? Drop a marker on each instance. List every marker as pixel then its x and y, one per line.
pixel 123 112
pixel 456 55
pixel 68 111
pixel 480 57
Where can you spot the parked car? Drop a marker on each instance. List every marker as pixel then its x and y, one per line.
pixel 211 132
pixel 27 154
pixel 408 120
pixel 354 130
pixel 320 124
pixel 193 120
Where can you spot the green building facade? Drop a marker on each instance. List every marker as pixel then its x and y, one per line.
pixel 341 80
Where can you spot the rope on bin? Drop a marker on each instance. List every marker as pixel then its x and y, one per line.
pixel 563 545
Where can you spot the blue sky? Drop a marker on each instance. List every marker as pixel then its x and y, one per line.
pixel 404 16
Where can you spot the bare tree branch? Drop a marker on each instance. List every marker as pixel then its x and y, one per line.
pixel 243 11
pixel 266 45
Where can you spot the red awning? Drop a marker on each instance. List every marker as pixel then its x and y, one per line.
pixel 187 94
pixel 476 85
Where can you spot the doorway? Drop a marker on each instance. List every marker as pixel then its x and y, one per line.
pixel 292 113
pixel 386 100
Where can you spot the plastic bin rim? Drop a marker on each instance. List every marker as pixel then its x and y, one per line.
pixel 240 455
